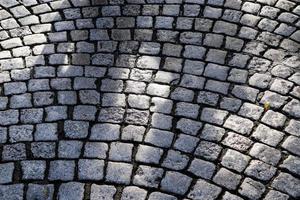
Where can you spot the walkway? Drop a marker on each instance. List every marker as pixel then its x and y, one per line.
pixel 149 99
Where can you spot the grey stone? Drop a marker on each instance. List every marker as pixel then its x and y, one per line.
pixel 225 27
pixel 187 110
pixel 33 169
pixel 237 142
pixel 216 71
pixel 95 150
pixel 105 132
pixel 62 170
pixel 76 129
pixel 71 190
pixel 69 149
pixel 84 112
pixel 293 127
pixel 193 67
pixel 102 192
pixel 90 169
pixel 230 104
pixel 175 160
pixel 190 37
pixel 235 160
pixel 238 60
pixel 43 98
pixel 118 172
pixel 245 92
pixel 43 149
pixel 184 23
pixel 274 119
pixel 20 133
pixel 265 153
pixel 186 143
pixel 251 111
pixel 208 150
pixel 291 163
pixel 137 117
pixel 46 131
pixel 287 183
pixel 6 172
pixel 188 126
pixel 217 86
pixel 202 168
pixel 281 86
pixel 14 88
pixel 214 116
pixel 133 192
pixel 293 108
pixel 9 117
pixel 204 190
pixel 159 138
pixel 172 50
pixel 141 75
pixel 120 151
pixel 229 196
pixel 251 189
pixel 54 113
pixel 3 103
pixel 274 99
pixel 161 121
pixel 161 196
pixel 113 99
pixel 216 55
pixel 11 43
pixel 67 97
pixel 168 77
pixel 151 48
pixel 164 22
pixel 194 52
pixel 260 170
pixel 158 90
pixel 227 179
pixel 148 176
pixel 202 24
pixel 267 135
pixel 139 101
pixel 40 192
pixel 14 152
pixel 111 115
pixel 38 84
pixel 161 105
pixel 191 81
pixel 133 133
pixel 239 124
pixel 12 192
pixel 212 133
pixel 291 144
pixel 175 182
pixel 238 76
pixel 148 154
pixel 273 194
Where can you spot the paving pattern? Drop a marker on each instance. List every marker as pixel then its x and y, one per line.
pixel 149 99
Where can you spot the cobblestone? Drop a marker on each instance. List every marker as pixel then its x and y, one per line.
pixel 235 160
pixel 175 182
pixel 149 99
pixel 204 190
pixel 227 179
pixel 251 189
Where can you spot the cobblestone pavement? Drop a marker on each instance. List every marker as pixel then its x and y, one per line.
pixel 149 99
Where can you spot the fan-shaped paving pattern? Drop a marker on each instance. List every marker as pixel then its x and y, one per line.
pixel 149 99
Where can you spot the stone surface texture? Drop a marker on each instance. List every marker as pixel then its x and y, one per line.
pixel 150 99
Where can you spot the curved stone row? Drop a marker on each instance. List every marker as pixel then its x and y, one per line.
pixel 149 99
